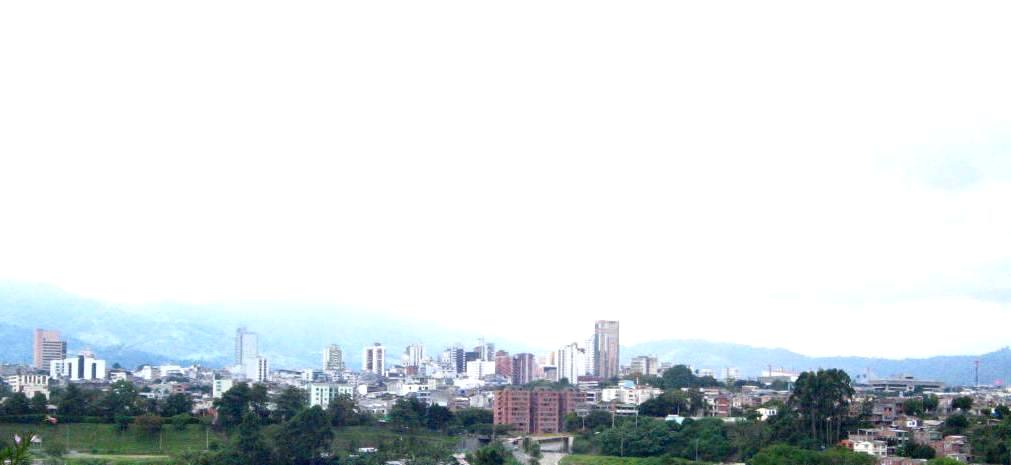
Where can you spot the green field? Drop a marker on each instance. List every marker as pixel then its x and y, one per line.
pixel 610 460
pixel 91 438
pixel 133 446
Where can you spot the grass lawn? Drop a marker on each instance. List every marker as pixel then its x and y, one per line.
pixel 134 447
pixel 90 438
pixel 611 460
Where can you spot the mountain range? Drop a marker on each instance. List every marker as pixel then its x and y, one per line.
pixel 203 334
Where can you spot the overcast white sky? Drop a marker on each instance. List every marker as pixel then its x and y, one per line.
pixel 794 174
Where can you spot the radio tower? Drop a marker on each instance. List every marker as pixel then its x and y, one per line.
pixel 977 374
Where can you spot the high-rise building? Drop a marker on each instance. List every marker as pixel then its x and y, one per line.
pixel 413 355
pixel 605 348
pixel 374 359
pixel 644 365
pixel 247 347
pixel 504 364
pixel 570 361
pixel 257 370
pixel 523 368
pixel 47 347
pixel 333 359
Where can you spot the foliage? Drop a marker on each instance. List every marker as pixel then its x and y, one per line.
pixel 289 403
pixel 963 403
pixel 18 453
pixel 177 404
pixel 302 439
pixel 150 424
pixel 915 450
pixel 822 399
pixel 944 461
pixel 493 454
pixel 781 454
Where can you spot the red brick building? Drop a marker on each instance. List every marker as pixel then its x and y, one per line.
pixel 537 411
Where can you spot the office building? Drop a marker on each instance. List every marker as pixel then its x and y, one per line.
pixel 374 359
pixel 220 386
pixel 605 349
pixel 477 369
pixel 504 364
pixel 247 347
pixel 570 361
pixel 523 369
pixel 84 367
pixel 644 365
pixel 47 346
pixel 333 360
pixel 414 354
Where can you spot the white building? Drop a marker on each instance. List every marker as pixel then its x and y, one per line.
pixel 414 355
pixel 220 386
pixel 84 367
pixel 627 394
pixel 29 385
pixel 875 448
pixel 765 413
pixel 477 369
pixel 257 370
pixel 148 372
pixel 571 362
pixel 374 359
pixel 247 347
pixel 322 394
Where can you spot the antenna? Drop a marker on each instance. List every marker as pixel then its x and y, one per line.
pixel 977 373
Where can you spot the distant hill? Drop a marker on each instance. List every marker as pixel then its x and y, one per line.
pixel 954 370
pixel 185 334
pixel 180 333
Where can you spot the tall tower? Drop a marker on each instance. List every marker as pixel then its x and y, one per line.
pixel 605 349
pixel 374 359
pixel 333 359
pixel 47 347
pixel 247 347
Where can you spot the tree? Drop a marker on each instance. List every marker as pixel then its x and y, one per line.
pixel 301 440
pixel 39 403
pixel 963 403
pixel 930 403
pixel 493 454
pixel 915 450
pixel 438 417
pixel 120 400
pixel 180 421
pixel 955 424
pixel 149 424
pixel 18 404
pixel 407 414
pixel 341 411
pixel 250 447
pixel 177 404
pixel 289 403
pixel 913 407
pixel 944 461
pixel 822 398
pixel 233 405
pixel 258 399
pixel 122 422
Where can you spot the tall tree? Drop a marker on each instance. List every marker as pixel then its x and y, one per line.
pixel 289 403
pixel 301 440
pixel 177 404
pixel 233 405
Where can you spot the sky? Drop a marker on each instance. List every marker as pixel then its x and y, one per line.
pixel 834 179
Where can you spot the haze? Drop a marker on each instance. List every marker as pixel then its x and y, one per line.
pixel 812 185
